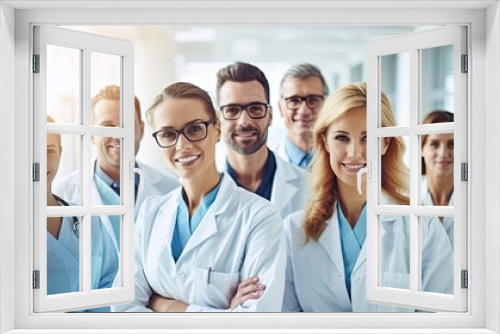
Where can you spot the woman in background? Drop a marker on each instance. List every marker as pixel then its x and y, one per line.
pixel 437 168
pixel 63 240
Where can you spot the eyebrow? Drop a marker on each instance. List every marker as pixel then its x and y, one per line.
pixel 52 145
pixel 345 132
pixel 163 128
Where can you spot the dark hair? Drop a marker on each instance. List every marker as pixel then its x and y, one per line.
pixel 241 72
pixel 181 90
pixel 435 116
pixel 304 71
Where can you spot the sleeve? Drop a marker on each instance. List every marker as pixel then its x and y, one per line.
pixel 265 257
pixel 290 300
pixel 142 289
pixel 437 259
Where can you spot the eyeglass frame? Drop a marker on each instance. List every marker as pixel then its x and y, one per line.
pixel 244 108
pixel 181 132
pixel 303 99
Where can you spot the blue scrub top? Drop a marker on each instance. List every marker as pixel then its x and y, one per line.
pixel 63 268
pixel 266 185
pixel 185 227
pixel 352 241
pixel 296 155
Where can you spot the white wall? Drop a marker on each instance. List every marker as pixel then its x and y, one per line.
pixel 492 154
pixel 7 162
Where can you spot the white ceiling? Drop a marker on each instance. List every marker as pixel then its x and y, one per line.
pixel 242 4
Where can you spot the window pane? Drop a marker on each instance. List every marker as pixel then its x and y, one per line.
pixel 395 169
pixel 105 81
pixel 63 84
pixel 437 80
pixel 437 166
pixel 395 81
pixel 106 170
pixel 63 255
pixel 63 166
pixel 395 251
pixel 105 251
pixel 437 254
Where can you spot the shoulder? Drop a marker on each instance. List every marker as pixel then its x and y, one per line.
pixel 155 174
pixel 154 202
pixel 288 168
pixel 293 225
pixel 70 178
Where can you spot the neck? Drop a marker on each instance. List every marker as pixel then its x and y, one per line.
pixel 351 201
pixel 196 189
pixel 440 188
pixel 305 144
pixel 51 200
pixel 249 168
pixel 113 173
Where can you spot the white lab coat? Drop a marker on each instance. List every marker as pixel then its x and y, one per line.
pixel 240 236
pixel 155 183
pixel 290 191
pixel 315 270
pixel 448 222
pixel 280 151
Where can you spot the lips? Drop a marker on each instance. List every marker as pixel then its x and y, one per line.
pixel 187 159
pixel 353 167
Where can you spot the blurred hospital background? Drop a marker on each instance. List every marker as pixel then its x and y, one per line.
pixel 167 54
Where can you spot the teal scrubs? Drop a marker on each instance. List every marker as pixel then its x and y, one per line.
pixel 63 266
pixel 185 227
pixel 352 241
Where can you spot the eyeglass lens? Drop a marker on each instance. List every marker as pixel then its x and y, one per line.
pixel 193 132
pixel 312 101
pixel 255 110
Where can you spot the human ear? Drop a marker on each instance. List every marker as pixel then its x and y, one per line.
pixel 385 145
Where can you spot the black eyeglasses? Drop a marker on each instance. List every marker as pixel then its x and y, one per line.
pixel 312 101
pixel 193 132
pixel 255 110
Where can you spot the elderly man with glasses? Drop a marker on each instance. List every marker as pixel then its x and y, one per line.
pixel 303 89
pixel 245 116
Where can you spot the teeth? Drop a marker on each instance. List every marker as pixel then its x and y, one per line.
pixel 184 160
pixel 354 166
pixel 115 146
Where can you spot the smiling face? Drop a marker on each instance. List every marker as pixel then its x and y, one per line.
pixel 244 135
pixel 188 160
pixel 437 152
pixel 299 120
pixel 54 151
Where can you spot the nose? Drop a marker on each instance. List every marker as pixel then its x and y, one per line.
pixel 443 150
pixel 244 119
pixel 304 108
pixel 182 142
pixel 355 150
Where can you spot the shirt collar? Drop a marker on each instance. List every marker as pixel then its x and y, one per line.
pixel 359 229
pixel 109 181
pixel 295 154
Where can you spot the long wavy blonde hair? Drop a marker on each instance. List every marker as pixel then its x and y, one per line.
pixel 323 182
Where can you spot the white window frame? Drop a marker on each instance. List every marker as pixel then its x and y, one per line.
pixel 414 43
pixel 85 43
pixel 483 98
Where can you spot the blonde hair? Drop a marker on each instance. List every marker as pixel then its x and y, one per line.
pixel 58 136
pixel 323 182
pixel 112 92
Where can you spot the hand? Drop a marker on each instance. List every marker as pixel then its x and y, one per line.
pixel 247 289
pixel 161 304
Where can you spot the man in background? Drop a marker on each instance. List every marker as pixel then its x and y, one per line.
pixel 303 89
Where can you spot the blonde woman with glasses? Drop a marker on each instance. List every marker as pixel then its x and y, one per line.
pixel 194 245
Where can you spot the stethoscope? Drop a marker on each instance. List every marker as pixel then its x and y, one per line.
pixel 76 223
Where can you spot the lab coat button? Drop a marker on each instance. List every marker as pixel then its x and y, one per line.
pixel 180 274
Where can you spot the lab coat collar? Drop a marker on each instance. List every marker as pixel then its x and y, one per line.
pixel 284 188
pixel 330 241
pixel 208 225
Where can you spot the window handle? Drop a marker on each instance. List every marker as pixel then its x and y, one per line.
pixel 134 170
pixel 366 170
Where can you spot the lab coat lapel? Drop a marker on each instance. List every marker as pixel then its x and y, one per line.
pixel 283 188
pixel 208 225
pixel 330 241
